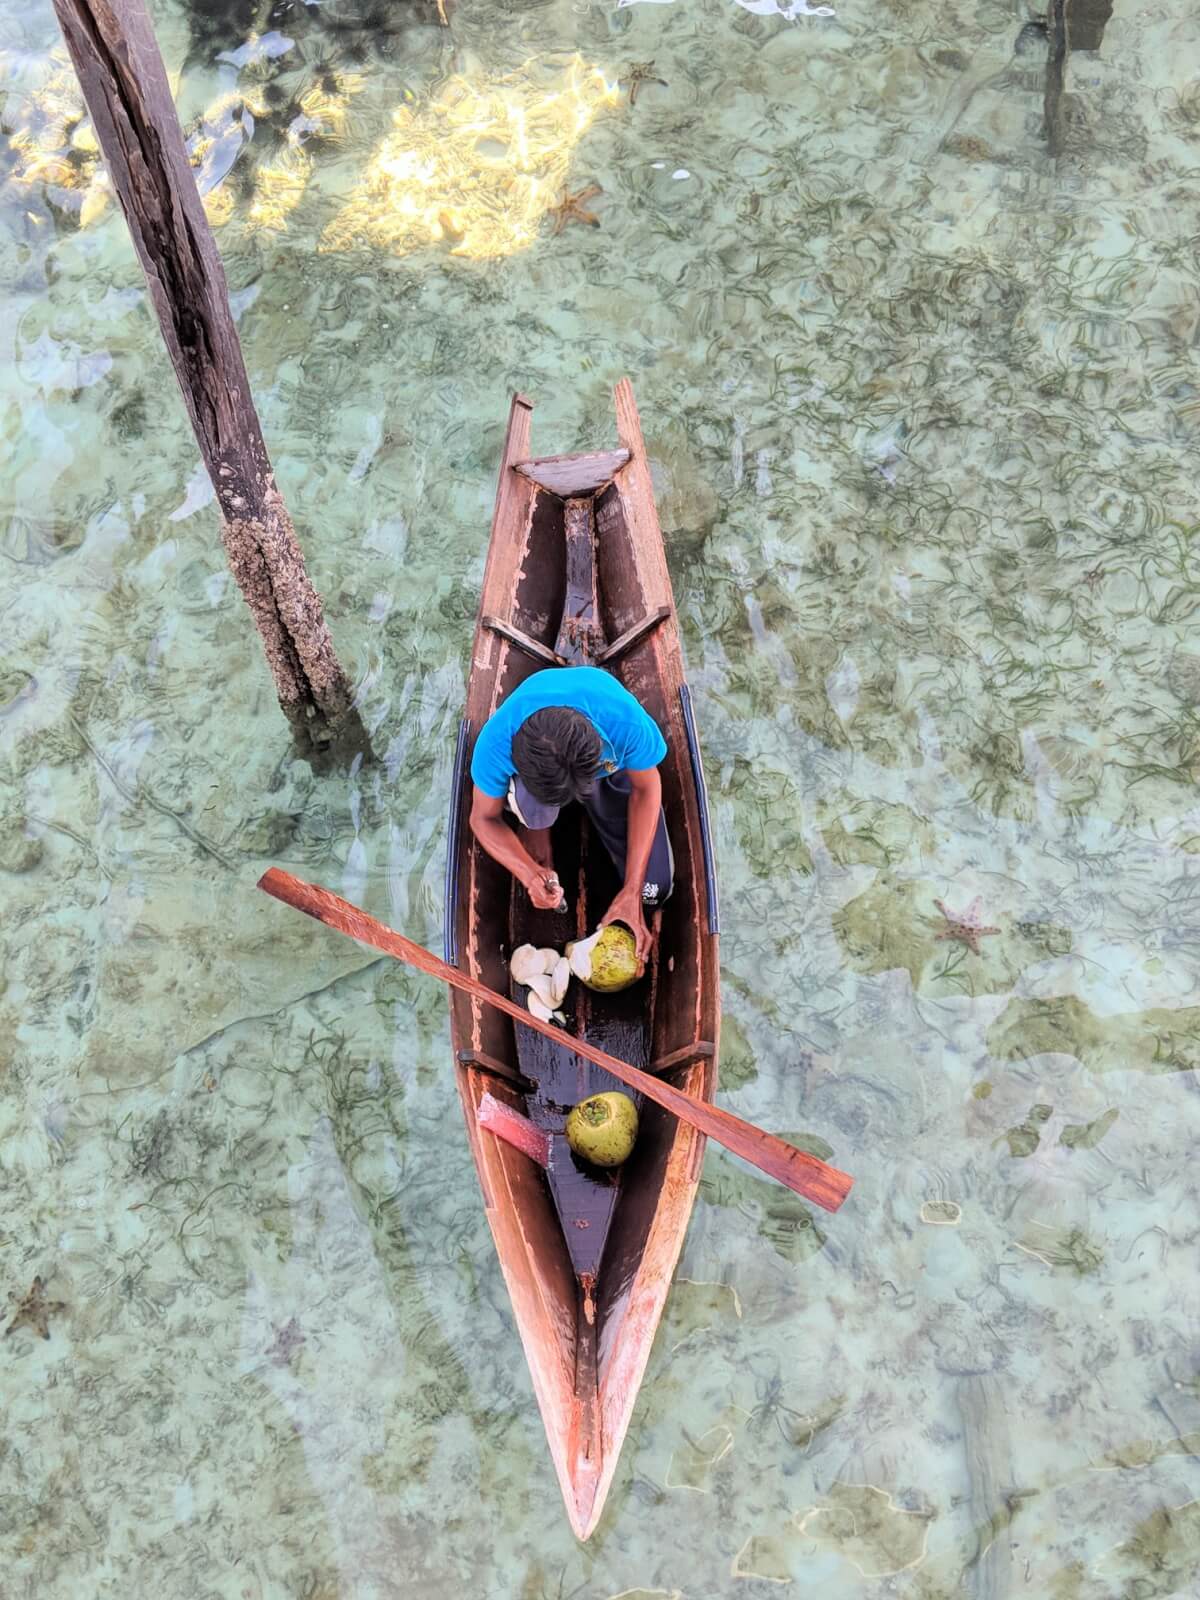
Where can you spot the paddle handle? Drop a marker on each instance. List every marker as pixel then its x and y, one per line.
pixel 816 1181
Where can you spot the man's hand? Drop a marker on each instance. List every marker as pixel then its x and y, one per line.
pixel 544 890
pixel 627 908
pixel 533 867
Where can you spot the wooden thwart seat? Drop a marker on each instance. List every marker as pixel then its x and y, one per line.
pixel 551 658
pixel 532 647
pixel 575 475
pixel 498 1069
pixel 700 1050
pixel 632 636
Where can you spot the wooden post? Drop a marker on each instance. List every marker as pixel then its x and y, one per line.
pixel 125 86
pixel 1070 25
pixel 1056 69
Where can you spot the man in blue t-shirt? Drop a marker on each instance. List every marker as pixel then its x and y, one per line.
pixel 575 733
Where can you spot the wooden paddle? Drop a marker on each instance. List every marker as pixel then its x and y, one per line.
pixel 813 1179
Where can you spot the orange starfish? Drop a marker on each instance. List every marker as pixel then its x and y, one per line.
pixel 571 208
pixel 636 74
pixel 287 1338
pixel 965 926
pixel 35 1310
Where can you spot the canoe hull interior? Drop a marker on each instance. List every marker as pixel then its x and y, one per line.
pixel 587 1307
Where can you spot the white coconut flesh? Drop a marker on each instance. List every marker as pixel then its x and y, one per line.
pixel 541 985
pixel 579 955
pixel 560 977
pixel 546 975
pixel 525 963
pixel 539 1009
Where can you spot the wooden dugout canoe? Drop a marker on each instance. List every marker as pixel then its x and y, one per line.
pixel 576 572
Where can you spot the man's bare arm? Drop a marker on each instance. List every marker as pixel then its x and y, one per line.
pixel 501 843
pixel 645 803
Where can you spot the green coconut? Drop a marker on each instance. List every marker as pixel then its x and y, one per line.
pixel 608 961
pixel 603 1129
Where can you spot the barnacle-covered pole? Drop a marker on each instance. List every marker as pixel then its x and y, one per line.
pixel 1071 25
pixel 124 82
pixel 1056 68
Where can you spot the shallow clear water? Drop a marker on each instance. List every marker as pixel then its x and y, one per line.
pixel 923 401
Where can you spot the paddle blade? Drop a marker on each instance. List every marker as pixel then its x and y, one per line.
pixel 796 1169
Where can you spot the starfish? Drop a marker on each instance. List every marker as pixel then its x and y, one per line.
pixel 36 1310
pixel 636 74
pixel 287 1339
pixel 571 208
pixel 965 926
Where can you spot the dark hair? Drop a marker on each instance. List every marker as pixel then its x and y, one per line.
pixel 557 753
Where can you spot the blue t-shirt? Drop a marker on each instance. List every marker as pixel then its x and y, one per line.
pixel 629 738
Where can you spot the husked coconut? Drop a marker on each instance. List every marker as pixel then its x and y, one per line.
pixel 603 1129
pixel 608 961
